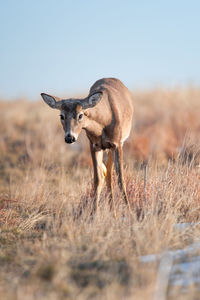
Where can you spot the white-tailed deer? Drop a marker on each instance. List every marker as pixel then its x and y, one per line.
pixel 106 115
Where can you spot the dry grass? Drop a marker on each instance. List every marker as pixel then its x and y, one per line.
pixel 48 253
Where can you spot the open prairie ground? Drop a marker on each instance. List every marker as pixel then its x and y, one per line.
pixel 48 250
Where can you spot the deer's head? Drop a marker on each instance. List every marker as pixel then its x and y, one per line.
pixel 73 113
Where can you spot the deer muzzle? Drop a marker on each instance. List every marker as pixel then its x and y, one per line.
pixel 69 138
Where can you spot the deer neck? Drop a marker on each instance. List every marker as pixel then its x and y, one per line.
pixel 93 127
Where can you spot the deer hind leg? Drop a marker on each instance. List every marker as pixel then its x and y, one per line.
pixel 100 172
pixel 118 161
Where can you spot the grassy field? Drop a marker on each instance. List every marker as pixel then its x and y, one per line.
pixel 46 252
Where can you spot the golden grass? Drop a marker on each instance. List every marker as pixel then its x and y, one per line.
pixel 46 252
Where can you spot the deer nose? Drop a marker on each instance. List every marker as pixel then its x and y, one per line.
pixel 69 139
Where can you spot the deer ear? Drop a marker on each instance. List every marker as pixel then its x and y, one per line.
pixel 51 101
pixel 91 100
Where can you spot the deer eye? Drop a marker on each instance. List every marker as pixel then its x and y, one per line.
pixel 80 117
pixel 62 117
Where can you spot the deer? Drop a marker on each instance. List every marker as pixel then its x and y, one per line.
pixel 106 116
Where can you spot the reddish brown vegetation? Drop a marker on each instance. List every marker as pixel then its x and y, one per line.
pixel 44 183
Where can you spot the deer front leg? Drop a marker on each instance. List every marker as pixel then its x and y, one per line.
pixel 118 161
pixel 99 174
pixel 109 166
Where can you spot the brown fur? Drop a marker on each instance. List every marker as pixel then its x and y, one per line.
pixel 107 124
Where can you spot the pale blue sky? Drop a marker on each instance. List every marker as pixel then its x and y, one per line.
pixel 62 47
